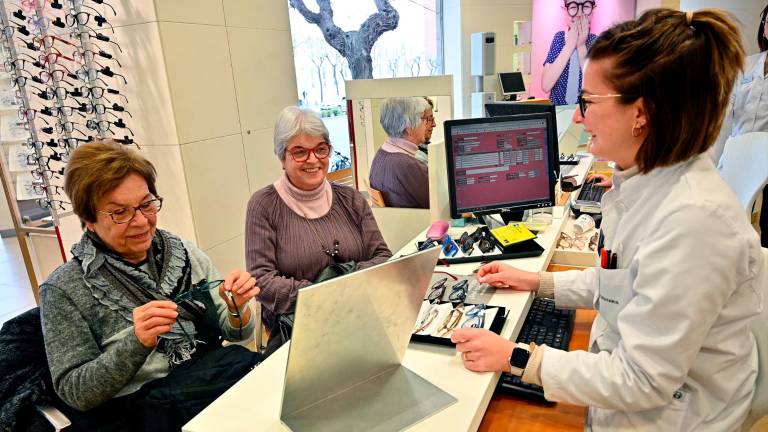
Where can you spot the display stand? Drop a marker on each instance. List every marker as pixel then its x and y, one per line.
pixel 62 68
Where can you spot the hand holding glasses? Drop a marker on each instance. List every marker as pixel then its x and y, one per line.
pixel 199 287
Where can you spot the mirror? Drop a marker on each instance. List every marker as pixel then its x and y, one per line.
pixel 405 188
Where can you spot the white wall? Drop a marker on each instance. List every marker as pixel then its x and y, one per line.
pixel 747 11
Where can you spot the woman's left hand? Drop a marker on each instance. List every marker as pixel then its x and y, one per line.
pixel 242 286
pixel 482 350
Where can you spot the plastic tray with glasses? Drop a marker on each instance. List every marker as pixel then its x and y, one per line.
pixel 452 302
pixel 479 245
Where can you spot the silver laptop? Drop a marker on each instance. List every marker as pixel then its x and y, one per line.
pixel 350 334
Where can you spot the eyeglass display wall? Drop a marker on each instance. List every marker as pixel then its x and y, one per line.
pixel 62 70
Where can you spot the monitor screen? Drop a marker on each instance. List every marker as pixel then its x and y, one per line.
pixel 500 163
pixel 511 82
pixel 501 109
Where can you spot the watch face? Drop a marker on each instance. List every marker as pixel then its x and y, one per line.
pixel 519 358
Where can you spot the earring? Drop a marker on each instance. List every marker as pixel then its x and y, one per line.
pixel 637 129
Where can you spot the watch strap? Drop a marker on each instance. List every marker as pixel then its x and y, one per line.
pixel 518 360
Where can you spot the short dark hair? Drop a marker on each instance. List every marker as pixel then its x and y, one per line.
pixel 762 41
pixel 684 66
pixel 97 168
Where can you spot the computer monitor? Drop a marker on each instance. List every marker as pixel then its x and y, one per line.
pixel 511 83
pixel 501 109
pixel 500 163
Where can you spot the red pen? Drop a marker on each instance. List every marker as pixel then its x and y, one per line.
pixel 604 258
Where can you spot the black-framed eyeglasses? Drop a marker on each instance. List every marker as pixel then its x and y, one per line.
pixel 47 174
pixel 52 204
pixel 34 159
pixel 201 286
pixel 301 154
pixel 585 100
pixel 467 243
pixel 40 189
pixel 475 316
pixel 126 214
pixel 586 8
pixel 437 290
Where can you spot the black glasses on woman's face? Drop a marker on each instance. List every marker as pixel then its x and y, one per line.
pixel 586 8
pixel 301 154
pixel 585 101
pixel 126 214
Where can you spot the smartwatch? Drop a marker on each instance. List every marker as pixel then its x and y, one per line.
pixel 519 358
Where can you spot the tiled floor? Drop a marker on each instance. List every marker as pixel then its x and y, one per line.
pixel 15 292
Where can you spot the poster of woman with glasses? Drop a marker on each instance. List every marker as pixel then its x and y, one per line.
pixel 571 36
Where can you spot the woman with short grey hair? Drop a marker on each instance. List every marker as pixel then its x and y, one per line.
pixel 293 121
pixel 395 171
pixel 302 223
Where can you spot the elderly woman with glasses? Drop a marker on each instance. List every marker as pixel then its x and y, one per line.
pixel 302 223
pixel 396 171
pixel 133 304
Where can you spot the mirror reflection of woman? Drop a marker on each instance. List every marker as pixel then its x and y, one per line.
pixel 396 170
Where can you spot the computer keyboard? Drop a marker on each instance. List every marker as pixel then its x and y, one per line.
pixel 544 324
pixel 590 192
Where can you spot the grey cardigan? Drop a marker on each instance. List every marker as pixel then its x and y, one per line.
pixel 93 353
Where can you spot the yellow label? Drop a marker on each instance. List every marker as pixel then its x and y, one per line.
pixel 512 233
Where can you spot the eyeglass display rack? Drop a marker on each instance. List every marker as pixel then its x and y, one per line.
pixel 59 86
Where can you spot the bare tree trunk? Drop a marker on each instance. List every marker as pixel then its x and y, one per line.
pixel 355 45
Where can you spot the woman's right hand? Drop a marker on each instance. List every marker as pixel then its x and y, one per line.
pixel 501 275
pixel 571 36
pixel 602 180
pixel 153 319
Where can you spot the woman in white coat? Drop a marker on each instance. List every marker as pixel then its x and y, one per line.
pixel 670 348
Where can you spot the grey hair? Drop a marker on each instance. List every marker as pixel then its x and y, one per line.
pixel 397 114
pixel 293 121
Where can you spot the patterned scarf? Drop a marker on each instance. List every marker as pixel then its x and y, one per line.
pixel 121 286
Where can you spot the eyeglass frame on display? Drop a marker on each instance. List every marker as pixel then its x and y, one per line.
pixel 477 313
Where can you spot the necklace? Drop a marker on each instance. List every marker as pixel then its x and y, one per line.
pixel 334 254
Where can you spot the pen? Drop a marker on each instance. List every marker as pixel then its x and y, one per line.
pixel 613 262
pixel 604 258
pixel 600 242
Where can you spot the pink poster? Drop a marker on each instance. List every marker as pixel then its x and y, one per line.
pixel 562 32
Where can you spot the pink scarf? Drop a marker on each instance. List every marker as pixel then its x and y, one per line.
pixel 399 145
pixel 310 204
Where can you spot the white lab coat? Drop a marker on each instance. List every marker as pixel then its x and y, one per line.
pixel 670 348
